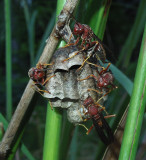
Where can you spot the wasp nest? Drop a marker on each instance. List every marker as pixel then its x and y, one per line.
pixel 65 88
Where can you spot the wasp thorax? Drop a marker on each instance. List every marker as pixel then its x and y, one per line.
pixel 93 110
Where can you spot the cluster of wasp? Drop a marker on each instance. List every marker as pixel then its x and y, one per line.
pixel 93 51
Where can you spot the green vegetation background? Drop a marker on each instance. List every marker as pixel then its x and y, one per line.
pixel 31 24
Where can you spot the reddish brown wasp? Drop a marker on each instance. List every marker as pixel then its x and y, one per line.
pixel 104 80
pixel 90 43
pixel 99 122
pixel 39 76
pixel 85 33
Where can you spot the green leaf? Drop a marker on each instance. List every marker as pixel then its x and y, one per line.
pixel 45 36
pixel 134 35
pixel 136 108
pixel 52 134
pixel 8 60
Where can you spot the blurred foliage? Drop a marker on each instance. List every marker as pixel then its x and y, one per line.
pixel 120 21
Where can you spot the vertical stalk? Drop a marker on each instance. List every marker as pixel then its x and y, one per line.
pixel 99 19
pixel 8 60
pixel 44 37
pixel 30 22
pixel 136 108
pixel 53 120
pixel 134 36
pixel 52 134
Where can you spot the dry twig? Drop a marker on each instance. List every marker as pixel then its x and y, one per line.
pixel 113 150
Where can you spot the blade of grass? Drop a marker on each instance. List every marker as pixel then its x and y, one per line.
pixel 134 35
pixel 136 108
pixel 73 146
pixel 23 147
pixel 31 36
pixel 30 21
pixel 26 13
pixel 27 153
pixel 141 154
pixel 65 136
pixel 53 120
pixel 45 36
pixel 99 19
pixel 15 147
pixel 52 134
pixel 8 60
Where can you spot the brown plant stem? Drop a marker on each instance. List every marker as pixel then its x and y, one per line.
pixel 113 150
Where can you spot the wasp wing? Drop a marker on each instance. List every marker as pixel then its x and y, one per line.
pixel 106 51
pixel 103 131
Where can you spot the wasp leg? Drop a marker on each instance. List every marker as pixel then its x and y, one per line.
pixel 90 89
pixel 83 64
pixel 102 108
pixel 91 75
pixel 105 69
pixel 69 44
pixel 41 90
pixel 39 65
pixel 98 66
pixel 113 86
pixel 48 79
pixel 104 95
pixel 71 56
pixel 89 130
pixel 109 116
pixel 83 126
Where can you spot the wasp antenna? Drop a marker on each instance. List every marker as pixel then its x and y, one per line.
pixel 74 19
pixel 51 72
pixel 71 14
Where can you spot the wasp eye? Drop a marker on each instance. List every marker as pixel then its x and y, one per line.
pixel 78 29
